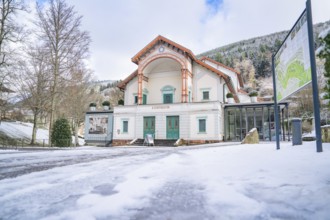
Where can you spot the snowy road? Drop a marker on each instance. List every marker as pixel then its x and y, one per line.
pixel 233 182
pixel 16 163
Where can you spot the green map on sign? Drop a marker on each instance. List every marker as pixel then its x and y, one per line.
pixel 292 61
pixel 292 75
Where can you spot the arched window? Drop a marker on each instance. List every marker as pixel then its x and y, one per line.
pixel 168 94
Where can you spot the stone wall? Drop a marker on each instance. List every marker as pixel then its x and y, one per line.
pixel 325 134
pixel 120 142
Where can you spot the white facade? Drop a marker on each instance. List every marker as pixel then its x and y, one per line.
pixel 173 95
pixel 188 113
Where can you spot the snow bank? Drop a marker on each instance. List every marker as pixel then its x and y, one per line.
pixel 22 130
pixel 232 182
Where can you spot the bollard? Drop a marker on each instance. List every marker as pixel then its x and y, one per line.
pixel 296 131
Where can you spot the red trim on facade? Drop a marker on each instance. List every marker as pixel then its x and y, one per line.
pixel 122 85
pixel 189 74
pixel 161 55
pixel 140 78
pixel 187 53
pixel 160 38
pixel 184 92
pixel 145 78
pixel 242 91
pixel 227 78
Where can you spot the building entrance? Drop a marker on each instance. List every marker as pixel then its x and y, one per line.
pixel 172 127
pixel 240 119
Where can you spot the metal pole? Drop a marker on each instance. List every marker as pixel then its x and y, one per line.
pixel 241 122
pixel 314 78
pixel 269 124
pixel 277 123
pixel 283 126
pixel 287 120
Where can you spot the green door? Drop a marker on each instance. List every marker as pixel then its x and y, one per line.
pixel 148 126
pixel 144 99
pixel 172 127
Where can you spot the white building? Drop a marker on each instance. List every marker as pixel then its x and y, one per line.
pixel 174 95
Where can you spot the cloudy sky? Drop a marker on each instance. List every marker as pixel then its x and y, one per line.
pixel 120 29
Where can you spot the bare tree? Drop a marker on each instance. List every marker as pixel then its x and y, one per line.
pixel 302 103
pixel 246 68
pixel 75 100
pixel 67 44
pixel 10 32
pixel 115 95
pixel 33 84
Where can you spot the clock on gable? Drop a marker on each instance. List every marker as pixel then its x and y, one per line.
pixel 161 49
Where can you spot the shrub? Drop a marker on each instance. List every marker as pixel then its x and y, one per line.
pixel 93 104
pixel 61 134
pixel 121 102
pixel 253 93
pixel 229 95
pixel 106 103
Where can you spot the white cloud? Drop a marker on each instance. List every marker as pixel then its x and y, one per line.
pixel 120 29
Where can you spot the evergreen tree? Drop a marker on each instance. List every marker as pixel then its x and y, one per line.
pixel 325 54
pixel 219 58
pixel 61 134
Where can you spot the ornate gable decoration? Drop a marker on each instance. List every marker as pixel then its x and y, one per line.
pixel 161 44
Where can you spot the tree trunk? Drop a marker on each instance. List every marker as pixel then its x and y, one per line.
pixel 51 122
pixel 76 140
pixel 34 129
pixel 53 98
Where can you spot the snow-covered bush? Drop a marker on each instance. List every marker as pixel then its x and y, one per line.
pixel 61 134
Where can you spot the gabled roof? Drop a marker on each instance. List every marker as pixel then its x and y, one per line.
pixel 122 84
pixel 158 39
pixel 227 78
pixel 239 76
pixel 188 52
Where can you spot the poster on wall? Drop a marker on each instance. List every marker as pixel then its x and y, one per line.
pixel 292 60
pixel 98 124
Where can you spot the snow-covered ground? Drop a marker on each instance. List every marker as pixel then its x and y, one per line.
pixel 205 182
pixel 23 130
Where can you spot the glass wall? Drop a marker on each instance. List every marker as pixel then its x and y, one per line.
pixel 240 119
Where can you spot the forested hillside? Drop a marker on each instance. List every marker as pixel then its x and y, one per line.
pixel 252 57
pixel 106 90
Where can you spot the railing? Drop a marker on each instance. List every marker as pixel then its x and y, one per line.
pixel 104 141
pixel 22 142
pixel 99 140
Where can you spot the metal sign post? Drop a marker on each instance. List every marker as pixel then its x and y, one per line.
pixel 288 56
pixel 316 102
pixel 277 120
